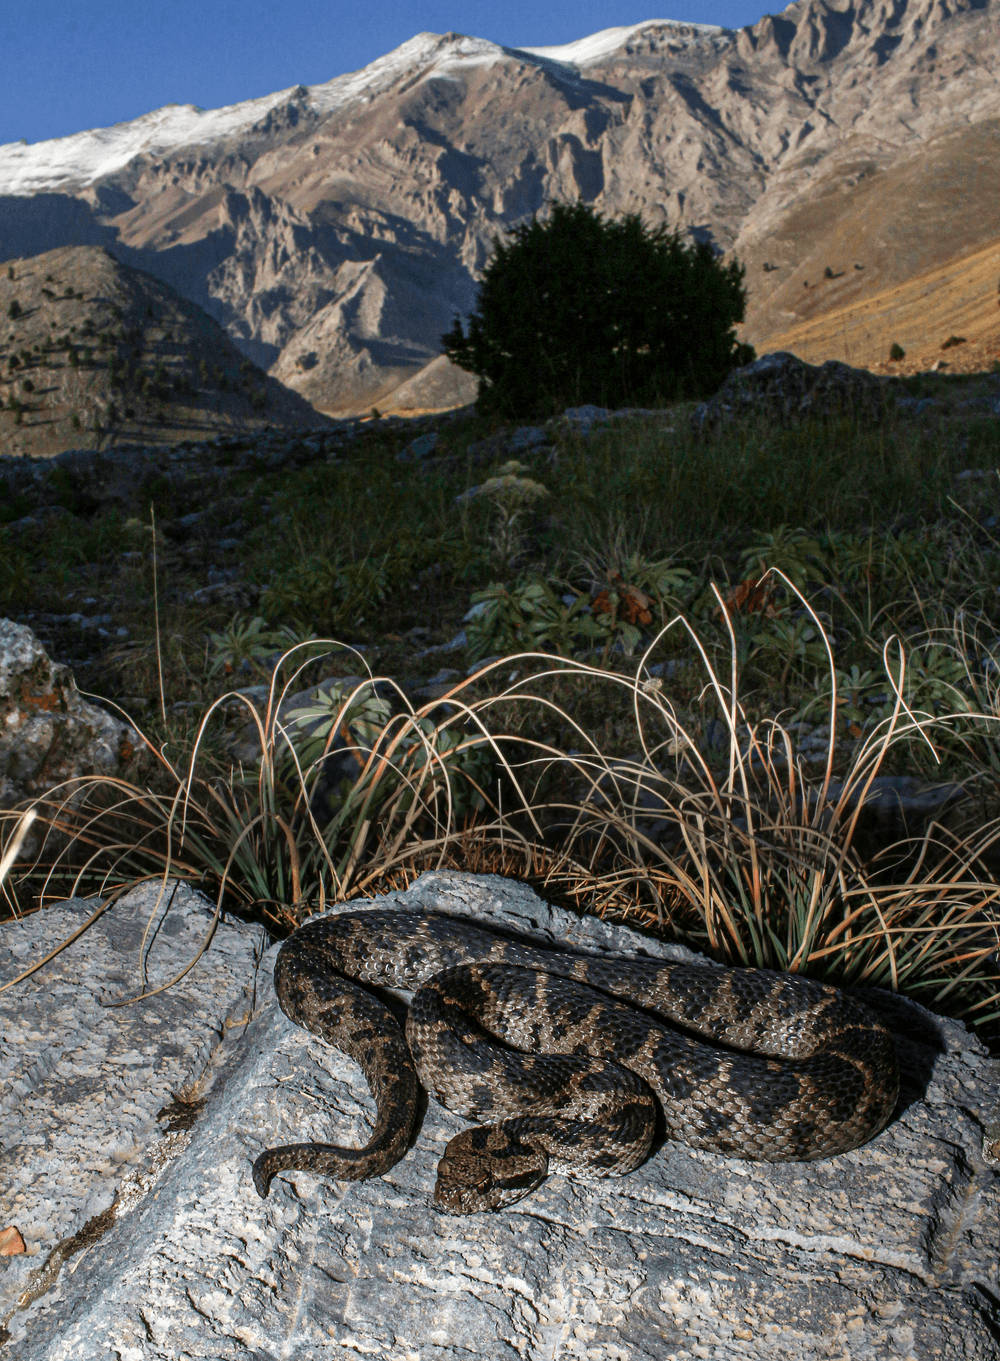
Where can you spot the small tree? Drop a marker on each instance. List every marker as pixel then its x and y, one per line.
pixel 579 308
pixel 14 309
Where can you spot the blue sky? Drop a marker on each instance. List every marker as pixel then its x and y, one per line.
pixel 75 64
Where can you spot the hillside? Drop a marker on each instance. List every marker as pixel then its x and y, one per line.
pixel 92 351
pixel 336 230
pixel 863 230
pixel 945 318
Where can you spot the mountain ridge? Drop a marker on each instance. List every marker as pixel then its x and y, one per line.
pixel 179 124
pixel 336 236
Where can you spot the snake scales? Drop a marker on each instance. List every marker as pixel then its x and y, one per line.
pixel 797 1071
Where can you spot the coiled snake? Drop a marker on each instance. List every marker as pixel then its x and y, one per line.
pixel 798 1070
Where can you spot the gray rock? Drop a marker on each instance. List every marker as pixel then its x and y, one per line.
pixel 916 406
pixel 48 733
pixel 526 437
pixel 440 683
pixel 582 419
pixel 784 388
pixel 889 1251
pixel 419 449
pixel 85 1080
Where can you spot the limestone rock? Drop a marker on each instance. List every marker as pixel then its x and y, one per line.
pixel 48 732
pixel 888 1251
pixel 784 388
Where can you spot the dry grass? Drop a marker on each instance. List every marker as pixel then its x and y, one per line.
pixel 957 298
pixel 753 857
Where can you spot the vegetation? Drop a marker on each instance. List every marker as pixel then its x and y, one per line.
pixel 579 308
pixel 690 656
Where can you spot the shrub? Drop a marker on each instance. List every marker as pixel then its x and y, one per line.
pixel 580 308
pixel 14 309
pixel 896 352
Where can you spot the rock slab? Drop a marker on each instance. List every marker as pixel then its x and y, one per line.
pixel 886 1252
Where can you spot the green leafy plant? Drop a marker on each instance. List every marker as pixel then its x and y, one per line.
pixel 799 556
pixel 788 646
pixel 321 589
pixel 246 645
pixel 531 614
pixel 381 747
pixel 856 688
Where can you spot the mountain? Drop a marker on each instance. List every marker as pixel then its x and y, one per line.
pixel 839 148
pixel 91 349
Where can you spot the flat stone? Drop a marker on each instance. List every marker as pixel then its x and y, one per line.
pixel 84 1079
pixel 889 1251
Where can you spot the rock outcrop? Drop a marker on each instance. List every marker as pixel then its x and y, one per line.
pixel 129 1134
pixel 779 387
pixel 49 733
pixel 336 231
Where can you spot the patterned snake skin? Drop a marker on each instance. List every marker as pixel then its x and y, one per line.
pixel 798 1070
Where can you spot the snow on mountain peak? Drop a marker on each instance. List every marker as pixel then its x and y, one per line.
pixel 606 42
pixel 74 162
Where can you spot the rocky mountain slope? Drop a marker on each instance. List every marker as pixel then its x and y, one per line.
pixel 93 351
pixel 839 148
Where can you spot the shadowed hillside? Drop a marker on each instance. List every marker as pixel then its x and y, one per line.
pixel 92 351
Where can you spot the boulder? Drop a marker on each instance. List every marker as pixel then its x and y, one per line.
pixel 48 732
pixel 785 389
pixel 130 1133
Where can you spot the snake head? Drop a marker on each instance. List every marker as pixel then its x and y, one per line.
pixel 487 1168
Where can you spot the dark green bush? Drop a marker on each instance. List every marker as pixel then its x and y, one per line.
pixel 580 308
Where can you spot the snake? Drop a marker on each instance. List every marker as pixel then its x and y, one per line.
pixel 573 1062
